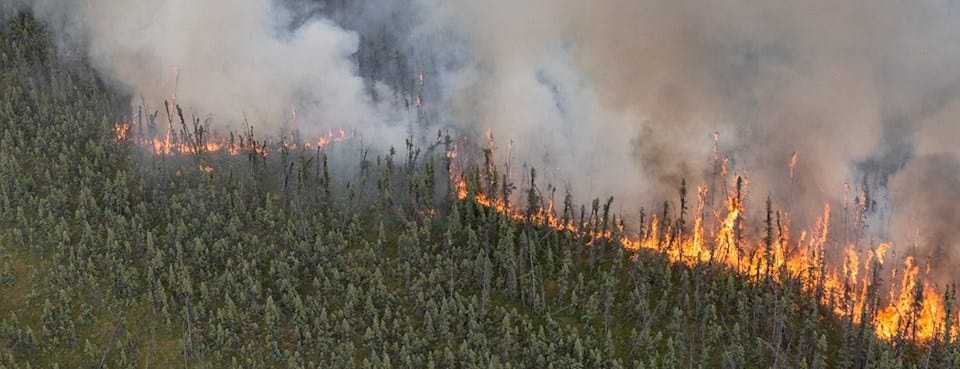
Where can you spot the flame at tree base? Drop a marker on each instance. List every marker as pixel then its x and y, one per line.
pixel 913 311
pixel 190 142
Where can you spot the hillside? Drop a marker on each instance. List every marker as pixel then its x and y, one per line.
pixel 114 256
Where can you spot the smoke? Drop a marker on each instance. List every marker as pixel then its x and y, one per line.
pixel 604 97
pixel 637 88
pixel 622 97
pixel 925 218
pixel 229 60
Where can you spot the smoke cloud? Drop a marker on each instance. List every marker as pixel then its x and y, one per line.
pixel 622 97
pixel 648 82
pixel 925 218
pixel 229 60
pixel 606 97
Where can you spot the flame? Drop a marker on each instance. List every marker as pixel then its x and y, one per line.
pixel 168 144
pixel 881 250
pixel 121 131
pixel 851 263
pixel 913 310
pixel 331 137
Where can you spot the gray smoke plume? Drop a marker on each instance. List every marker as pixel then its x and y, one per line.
pixel 925 216
pixel 650 81
pixel 607 97
pixel 622 96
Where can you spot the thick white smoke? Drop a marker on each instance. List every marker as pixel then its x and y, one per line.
pixel 225 59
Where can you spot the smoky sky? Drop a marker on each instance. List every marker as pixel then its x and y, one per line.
pixel 605 97
pixel 626 95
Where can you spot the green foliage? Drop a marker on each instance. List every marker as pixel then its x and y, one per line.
pixel 111 255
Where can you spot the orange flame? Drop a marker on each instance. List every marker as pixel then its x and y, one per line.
pixel 912 309
pixel 166 144
pixel 121 130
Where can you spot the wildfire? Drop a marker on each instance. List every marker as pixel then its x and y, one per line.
pixel 121 131
pixel 167 144
pixel 914 310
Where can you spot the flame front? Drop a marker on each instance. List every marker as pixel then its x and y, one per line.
pixel 167 144
pixel 914 310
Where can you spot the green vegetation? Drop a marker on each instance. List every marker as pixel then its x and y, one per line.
pixel 114 257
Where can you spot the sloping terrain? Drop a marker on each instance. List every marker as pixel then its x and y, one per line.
pixel 112 256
